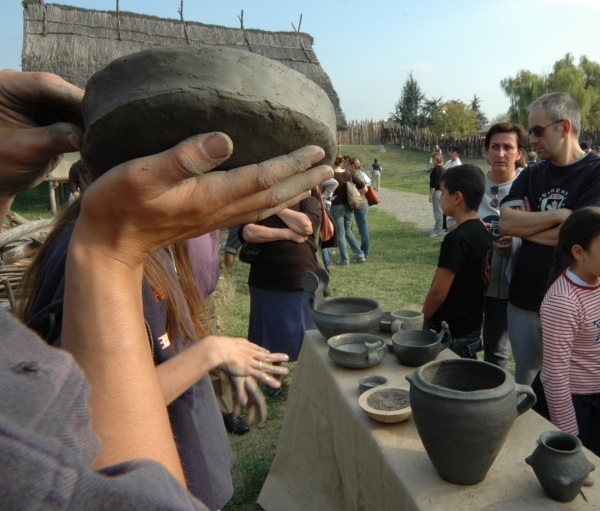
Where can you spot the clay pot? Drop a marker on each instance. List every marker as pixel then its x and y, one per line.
pixel 560 465
pixel 370 382
pixel 414 348
pixel 148 102
pixel 342 315
pixel 463 410
pixel 406 320
pixel 356 351
pixel 386 321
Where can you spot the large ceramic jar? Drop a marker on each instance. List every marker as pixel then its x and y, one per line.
pixel 560 465
pixel 463 410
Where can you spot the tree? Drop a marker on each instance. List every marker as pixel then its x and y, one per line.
pixel 580 81
pixel 428 108
pixel 505 117
pixel 455 117
pixel 482 120
pixel 408 107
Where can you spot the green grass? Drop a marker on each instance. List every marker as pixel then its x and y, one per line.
pixel 35 203
pixel 403 169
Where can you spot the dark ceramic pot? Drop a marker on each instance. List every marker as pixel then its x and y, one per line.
pixel 560 465
pixel 147 102
pixel 414 348
pixel 463 410
pixel 348 314
pixel 356 351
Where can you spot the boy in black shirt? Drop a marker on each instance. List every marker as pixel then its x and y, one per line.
pixel 458 289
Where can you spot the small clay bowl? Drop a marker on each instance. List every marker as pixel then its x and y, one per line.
pixel 356 351
pixel 390 344
pixel 370 382
pixel 387 416
pixel 385 324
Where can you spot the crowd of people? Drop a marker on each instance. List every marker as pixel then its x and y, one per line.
pixel 520 262
pixel 144 383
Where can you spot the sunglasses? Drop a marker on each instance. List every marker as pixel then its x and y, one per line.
pixel 495 202
pixel 538 131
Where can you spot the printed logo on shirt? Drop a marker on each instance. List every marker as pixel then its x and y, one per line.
pixel 553 199
pixel 597 325
pixel 494 221
pixel 164 341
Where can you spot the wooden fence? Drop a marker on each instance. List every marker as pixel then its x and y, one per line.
pixel 371 132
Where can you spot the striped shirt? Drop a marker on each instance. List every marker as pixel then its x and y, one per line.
pixel 570 316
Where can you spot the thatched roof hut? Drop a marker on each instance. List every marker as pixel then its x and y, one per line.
pixel 75 43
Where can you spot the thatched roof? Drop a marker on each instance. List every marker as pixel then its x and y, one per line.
pixel 75 43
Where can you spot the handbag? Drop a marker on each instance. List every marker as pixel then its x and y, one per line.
pixel 327 227
pixel 355 199
pixel 249 252
pixel 372 196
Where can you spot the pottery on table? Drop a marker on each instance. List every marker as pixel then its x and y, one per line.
pixel 414 348
pixel 148 102
pixel 386 321
pixel 463 410
pixel 370 382
pixel 406 320
pixel 387 416
pixel 560 465
pixel 356 351
pixel 348 314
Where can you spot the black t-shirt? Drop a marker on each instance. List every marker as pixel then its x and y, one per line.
pixel 281 263
pixel 466 251
pixel 547 187
pixel 434 177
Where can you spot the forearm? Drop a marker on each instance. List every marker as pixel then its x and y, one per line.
pixel 525 224
pixel 433 301
pixel 254 233
pixel 548 237
pixel 296 221
pixel 104 331
pixel 180 372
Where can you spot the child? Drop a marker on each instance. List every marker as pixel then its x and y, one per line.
pixel 458 289
pixel 568 386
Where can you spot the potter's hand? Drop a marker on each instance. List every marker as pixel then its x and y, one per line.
pixel 145 204
pixel 248 394
pixel 40 118
pixel 239 357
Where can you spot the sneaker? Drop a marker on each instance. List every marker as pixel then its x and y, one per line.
pixel 359 259
pixel 329 269
pixel 271 392
pixel 235 425
pixel 435 234
pixel 342 263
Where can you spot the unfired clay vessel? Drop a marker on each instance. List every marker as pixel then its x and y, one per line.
pixel 357 351
pixel 148 102
pixel 414 348
pixel 406 320
pixel 370 382
pixel 560 465
pixel 463 410
pixel 348 314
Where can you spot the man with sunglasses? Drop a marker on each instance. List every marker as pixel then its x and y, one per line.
pixel 539 201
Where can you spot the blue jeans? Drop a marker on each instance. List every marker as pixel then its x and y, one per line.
pixel 469 345
pixel 343 222
pixel 360 215
pixel 327 256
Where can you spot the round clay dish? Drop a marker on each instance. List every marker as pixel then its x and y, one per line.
pixel 148 102
pixel 370 382
pixel 386 416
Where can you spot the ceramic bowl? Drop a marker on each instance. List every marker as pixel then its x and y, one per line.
pixel 370 382
pixel 357 351
pixel 386 321
pixel 347 314
pixel 389 416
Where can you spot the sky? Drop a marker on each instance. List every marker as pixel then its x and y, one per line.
pixel 454 49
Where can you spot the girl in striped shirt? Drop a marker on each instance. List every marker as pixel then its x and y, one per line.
pixel 568 386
